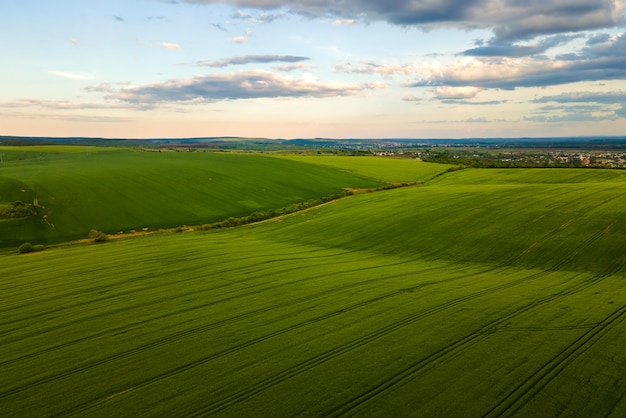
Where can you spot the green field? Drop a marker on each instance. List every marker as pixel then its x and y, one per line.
pixel 82 188
pixel 477 293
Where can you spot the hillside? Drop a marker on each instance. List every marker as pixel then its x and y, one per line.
pixel 539 218
pixel 77 189
pixel 480 293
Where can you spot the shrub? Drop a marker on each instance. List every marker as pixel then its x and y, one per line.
pixel 17 210
pixel 27 247
pixel 39 247
pixel 98 236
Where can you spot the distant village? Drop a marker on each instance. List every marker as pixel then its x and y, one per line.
pixel 478 157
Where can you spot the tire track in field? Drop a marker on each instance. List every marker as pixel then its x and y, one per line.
pixel 236 296
pixel 403 377
pixel 203 328
pixel 325 356
pixel 140 277
pixel 526 390
pixel 573 255
pixel 586 243
pixel 287 257
pixel 177 284
pixel 228 351
pixel 329 355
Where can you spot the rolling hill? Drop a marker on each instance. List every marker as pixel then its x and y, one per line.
pixel 77 189
pixel 476 293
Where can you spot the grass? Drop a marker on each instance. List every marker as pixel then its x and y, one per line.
pixel 424 301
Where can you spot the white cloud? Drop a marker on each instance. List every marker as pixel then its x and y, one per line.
pixel 239 39
pixel 446 92
pixel 169 45
pixel 369 67
pixel 72 76
pixel 344 22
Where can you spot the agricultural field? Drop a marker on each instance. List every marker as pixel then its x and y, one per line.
pixel 75 189
pixel 471 293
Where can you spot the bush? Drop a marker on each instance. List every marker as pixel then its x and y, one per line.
pixel 27 247
pixel 39 247
pixel 17 210
pixel 98 236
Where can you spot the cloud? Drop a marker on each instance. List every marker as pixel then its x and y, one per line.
pixel 613 97
pixel 235 86
pixel 370 67
pixel 570 117
pixel 239 39
pixel 508 20
pixel 497 48
pixel 72 76
pixel 169 45
pixel 621 112
pixel 69 117
pixel 119 19
pixel 219 27
pixel 293 67
pixel 600 61
pixel 258 18
pixel 477 120
pixel 472 103
pixel 106 87
pixel 251 59
pixel 446 92
pixel 73 41
pixel 411 98
pixel 344 22
pixel 56 105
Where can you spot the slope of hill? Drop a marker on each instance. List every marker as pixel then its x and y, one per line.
pixel 549 219
pixel 481 293
pixel 77 189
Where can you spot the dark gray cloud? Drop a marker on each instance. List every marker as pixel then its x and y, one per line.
pixel 233 86
pixel 509 19
pixel 119 19
pixel 601 61
pixel 614 97
pixel 251 59
pixel 497 48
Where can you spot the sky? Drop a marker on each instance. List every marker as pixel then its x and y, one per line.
pixel 313 68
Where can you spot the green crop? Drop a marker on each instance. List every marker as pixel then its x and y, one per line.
pixel 479 293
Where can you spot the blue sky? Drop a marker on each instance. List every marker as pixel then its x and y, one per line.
pixel 313 68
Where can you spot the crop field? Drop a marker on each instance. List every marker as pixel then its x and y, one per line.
pixel 478 293
pixel 77 189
